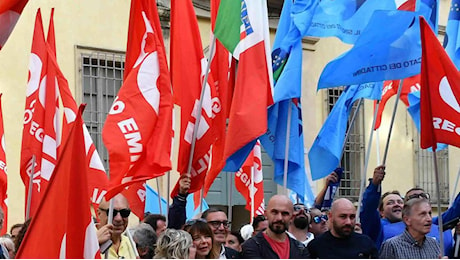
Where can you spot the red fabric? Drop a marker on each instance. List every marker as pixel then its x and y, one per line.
pixel 3 175
pixel 281 248
pixel 243 181
pixel 188 69
pixel 10 10
pixel 137 132
pixel 252 96
pixel 72 233
pixel 439 95
pixel 136 194
pixel 39 132
pixel 223 73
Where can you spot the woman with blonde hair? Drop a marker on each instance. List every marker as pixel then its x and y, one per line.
pixel 203 239
pixel 174 244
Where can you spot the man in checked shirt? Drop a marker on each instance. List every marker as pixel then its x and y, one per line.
pixel 414 242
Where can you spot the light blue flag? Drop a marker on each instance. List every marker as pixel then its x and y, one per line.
pixel 345 19
pixel 414 112
pixel 452 38
pixel 326 152
pixel 389 48
pixel 151 204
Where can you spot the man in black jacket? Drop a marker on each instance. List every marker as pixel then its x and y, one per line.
pixel 274 242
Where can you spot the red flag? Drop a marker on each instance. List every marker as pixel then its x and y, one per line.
pixel 440 93
pixel 243 181
pixel 40 119
pixel 188 68
pixel 97 177
pixel 137 132
pixel 10 10
pixel 223 73
pixel 3 175
pixel 72 233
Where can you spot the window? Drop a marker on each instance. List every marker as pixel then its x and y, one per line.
pixel 353 157
pixel 425 173
pixel 101 79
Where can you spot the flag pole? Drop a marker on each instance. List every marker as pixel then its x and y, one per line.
pixel 199 108
pixel 168 191
pixel 286 150
pixel 230 195
pixel 252 215
pixel 133 244
pixel 366 163
pixel 455 188
pixel 353 118
pixel 377 145
pixel 159 196
pixel 438 194
pixel 392 121
pixel 31 184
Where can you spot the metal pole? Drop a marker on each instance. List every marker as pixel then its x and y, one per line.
pixel 377 145
pixel 109 221
pixel 31 185
pixel 438 194
pixel 168 192
pixel 133 244
pixel 454 192
pixel 366 163
pixel 159 196
pixel 230 195
pixel 252 194
pixel 353 118
pixel 286 150
pixel 392 121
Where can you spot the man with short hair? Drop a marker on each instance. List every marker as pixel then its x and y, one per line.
pixel 341 241
pixel 381 216
pixel 145 238
pixel 298 229
pixel 318 222
pixel 413 242
pixel 121 246
pixel 259 223
pixel 157 222
pixel 219 224
pixel 274 242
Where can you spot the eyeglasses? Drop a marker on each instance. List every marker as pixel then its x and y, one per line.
pixel 194 221
pixel 419 195
pixel 317 219
pixel 123 212
pixel 299 207
pixel 216 224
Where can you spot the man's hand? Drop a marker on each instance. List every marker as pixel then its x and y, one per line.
pixel 104 233
pixel 379 174
pixel 331 178
pixel 184 183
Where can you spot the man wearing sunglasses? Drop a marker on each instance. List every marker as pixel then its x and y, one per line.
pixel 121 246
pixel 381 216
pixel 318 222
pixel 298 229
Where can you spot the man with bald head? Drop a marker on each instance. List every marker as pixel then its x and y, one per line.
pixel 121 247
pixel 341 241
pixel 274 242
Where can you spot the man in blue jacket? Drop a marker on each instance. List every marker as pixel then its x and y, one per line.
pixel 381 216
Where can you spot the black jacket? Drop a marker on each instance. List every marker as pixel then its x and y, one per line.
pixel 231 253
pixel 258 247
pixel 177 212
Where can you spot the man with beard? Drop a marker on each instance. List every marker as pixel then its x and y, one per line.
pixel 341 241
pixel 298 228
pixel 274 242
pixel 414 242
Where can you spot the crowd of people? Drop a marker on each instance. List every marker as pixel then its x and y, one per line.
pixel 391 226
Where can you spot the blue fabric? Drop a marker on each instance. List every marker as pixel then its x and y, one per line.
pixel 452 37
pixel 326 151
pixel 380 229
pixel 414 112
pixel 236 160
pixel 345 19
pixel 384 51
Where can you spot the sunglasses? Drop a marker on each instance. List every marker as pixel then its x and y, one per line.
pixel 317 219
pixel 216 224
pixel 299 207
pixel 419 195
pixel 123 212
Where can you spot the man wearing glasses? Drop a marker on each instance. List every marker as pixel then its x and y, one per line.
pixel 318 222
pixel 298 229
pixel 121 247
pixel 381 216
pixel 219 224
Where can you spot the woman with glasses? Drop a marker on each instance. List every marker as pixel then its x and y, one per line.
pixel 203 239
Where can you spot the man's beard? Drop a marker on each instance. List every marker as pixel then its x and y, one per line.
pixel 301 223
pixel 277 230
pixel 341 232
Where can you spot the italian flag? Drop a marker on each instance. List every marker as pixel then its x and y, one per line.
pixel 242 27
